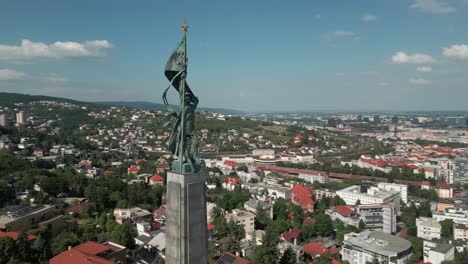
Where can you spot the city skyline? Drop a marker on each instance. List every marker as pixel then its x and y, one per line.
pixel 263 56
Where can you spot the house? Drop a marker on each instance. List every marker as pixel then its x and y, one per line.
pixel 230 164
pixel 314 249
pixel 231 183
pixel 343 213
pixel 159 214
pixel 93 253
pixel 444 190
pixel 79 208
pixel 132 215
pixel 291 236
pixel 133 169
pixel 303 196
pixel 14 235
pixel 156 179
pixel 229 258
pixel 252 205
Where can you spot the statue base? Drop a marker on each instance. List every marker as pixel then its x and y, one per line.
pixel 186 224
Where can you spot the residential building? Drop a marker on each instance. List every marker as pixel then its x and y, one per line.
pixel 291 236
pixel 378 217
pixel 229 258
pixel 436 253
pixel 244 218
pixel 156 179
pixel 369 195
pixel 252 205
pixel 231 183
pixel 320 193
pixel 20 119
pixel 401 188
pixel 343 213
pixel 428 228
pixel 461 170
pixel 303 196
pixel 458 215
pixel 460 232
pixel 25 217
pixel 92 252
pixel 3 120
pixel 359 248
pixel 132 215
pixel 268 190
pixel 444 190
pixel 311 178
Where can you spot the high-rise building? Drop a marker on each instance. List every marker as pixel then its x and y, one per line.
pixel 378 217
pixel 377 119
pixel 395 120
pixel 357 194
pixel 3 119
pixel 436 253
pixel 461 170
pixel 428 228
pixel 20 118
pixel 364 247
pixel 401 188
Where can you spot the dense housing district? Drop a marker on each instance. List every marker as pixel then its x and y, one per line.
pixel 86 183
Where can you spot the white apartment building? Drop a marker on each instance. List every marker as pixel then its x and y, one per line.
pixel 20 118
pixel 312 177
pixel 371 195
pixel 378 217
pixel 460 232
pixel 360 248
pixel 244 218
pixel 3 119
pixel 401 188
pixel 436 253
pixel 458 215
pixel 273 191
pixel 428 228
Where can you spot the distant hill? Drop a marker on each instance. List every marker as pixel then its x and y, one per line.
pixel 9 99
pixel 158 106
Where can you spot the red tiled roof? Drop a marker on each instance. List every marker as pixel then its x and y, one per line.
pixel 92 248
pixel 232 180
pixel 229 258
pixel 78 209
pixel 160 212
pixel 299 189
pixel 156 177
pixel 343 210
pixel 107 172
pixel 443 185
pixel 210 227
pixel 334 261
pixel 314 249
pixel 303 200
pixel 309 220
pixel 133 168
pixel 230 163
pixel 14 235
pixel 291 235
pixel 82 254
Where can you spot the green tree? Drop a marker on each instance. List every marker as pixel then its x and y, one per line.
pixel 23 247
pixel 362 225
pixel 7 249
pixel 289 257
pixel 447 228
pixel 323 225
pixel 123 235
pixel 280 209
pixel 63 241
pixel 267 253
pixel 417 245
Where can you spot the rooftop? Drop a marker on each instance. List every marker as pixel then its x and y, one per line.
pixel 376 241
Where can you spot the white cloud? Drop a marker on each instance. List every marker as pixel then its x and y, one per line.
pixel 368 18
pixel 56 80
pixel 424 69
pixel 6 74
pixel 417 58
pixel 419 81
pixel 343 33
pixel 369 73
pixel 456 52
pixel 383 84
pixel 31 50
pixel 433 7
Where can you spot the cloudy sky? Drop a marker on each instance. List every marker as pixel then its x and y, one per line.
pixel 249 55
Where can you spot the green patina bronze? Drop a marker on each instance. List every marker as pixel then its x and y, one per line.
pixel 183 139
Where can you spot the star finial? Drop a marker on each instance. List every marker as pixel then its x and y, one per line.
pixel 185 26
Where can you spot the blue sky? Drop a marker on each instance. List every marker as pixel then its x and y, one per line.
pixel 249 55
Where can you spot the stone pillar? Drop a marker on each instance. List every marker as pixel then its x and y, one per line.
pixel 186 225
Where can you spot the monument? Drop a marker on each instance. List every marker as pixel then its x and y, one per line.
pixel 186 230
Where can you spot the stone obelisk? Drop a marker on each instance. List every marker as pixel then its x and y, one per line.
pixel 186 229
